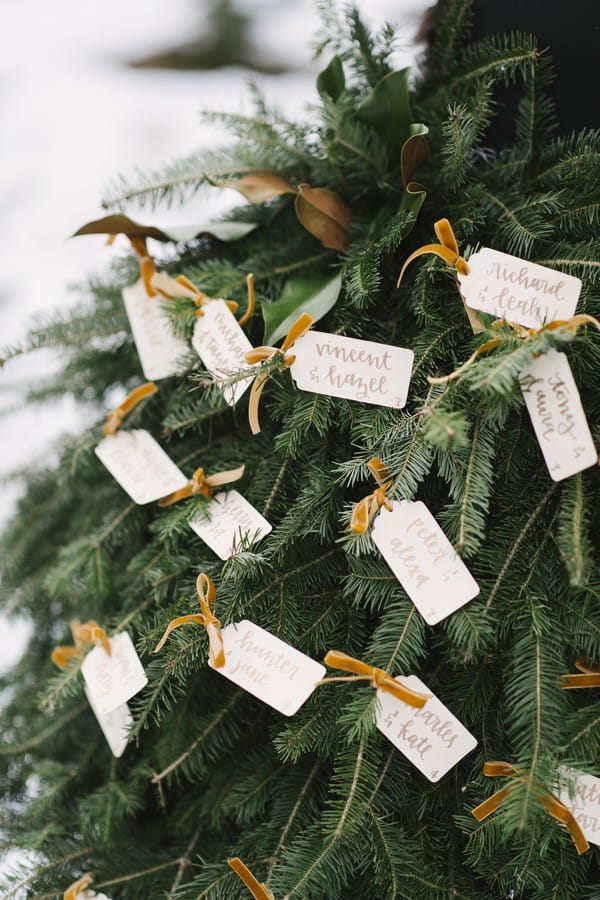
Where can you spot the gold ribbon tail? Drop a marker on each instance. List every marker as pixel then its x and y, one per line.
pixel 183 287
pixel 378 678
pixel 589 677
pixel 115 418
pixel 258 890
pixel 82 884
pixel 84 635
pixel 365 509
pixel 207 597
pixel 147 267
pixel 201 484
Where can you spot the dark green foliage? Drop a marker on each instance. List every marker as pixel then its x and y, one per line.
pixel 320 805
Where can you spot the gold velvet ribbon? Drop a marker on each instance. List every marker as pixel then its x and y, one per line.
pixel 115 418
pixel 377 678
pixel 258 890
pixel 82 884
pixel 183 287
pixel 147 267
pixel 589 677
pixel 202 484
pixel 551 804
pixel 521 332
pixel 207 597
pixel 366 508
pixel 262 354
pixel 84 634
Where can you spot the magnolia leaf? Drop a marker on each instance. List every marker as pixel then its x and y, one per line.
pixel 121 224
pixel 332 81
pixel 259 187
pixel 415 151
pixel 413 197
pixel 387 110
pixel 314 293
pixel 325 215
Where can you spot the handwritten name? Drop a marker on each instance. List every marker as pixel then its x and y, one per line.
pixel 266 661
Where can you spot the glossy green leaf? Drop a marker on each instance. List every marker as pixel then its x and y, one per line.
pixel 121 224
pixel 413 197
pixel 387 110
pixel 314 293
pixel 332 81
pixel 415 151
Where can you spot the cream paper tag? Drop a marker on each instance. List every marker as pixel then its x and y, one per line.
pixel 115 725
pixel 523 292
pixel 91 895
pixel 352 369
pixel 558 418
pixel 232 519
pixel 222 346
pixel 268 668
pixel 423 559
pixel 160 351
pixel 431 738
pixel 140 465
pixel 112 680
pixel 585 805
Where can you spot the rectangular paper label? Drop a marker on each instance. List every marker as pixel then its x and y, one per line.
pixel 352 369
pixel 431 738
pixel 222 346
pixel 115 726
pixel 159 350
pixel 140 465
pixel 585 805
pixel 113 680
pixel 232 519
pixel 523 292
pixel 423 559
pixel 268 668
pixel 558 418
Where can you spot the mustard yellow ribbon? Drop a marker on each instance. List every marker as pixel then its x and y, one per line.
pixel 262 354
pixel 589 677
pixel 115 418
pixel 551 804
pixel 524 334
pixel 202 484
pixel 207 597
pixel 147 267
pixel 84 634
pixel 183 287
pixel 258 890
pixel 366 508
pixel 377 678
pixel 82 884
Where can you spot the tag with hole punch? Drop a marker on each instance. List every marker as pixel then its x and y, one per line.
pixel 159 349
pixel 268 668
pixel 352 369
pixel 112 680
pixel 140 465
pixel 230 521
pixel 558 418
pixel 510 288
pixel 115 725
pixel 584 804
pixel 423 559
pixel 431 738
pixel 222 346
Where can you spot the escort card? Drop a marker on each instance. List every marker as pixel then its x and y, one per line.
pixel 352 369
pixel 113 680
pixel 222 346
pixel 523 292
pixel 115 725
pixel 140 465
pixel 585 804
pixel 431 738
pixel 555 409
pixel 268 668
pixel 232 519
pixel 423 559
pixel 159 350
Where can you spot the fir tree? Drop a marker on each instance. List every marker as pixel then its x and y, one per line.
pixel 321 805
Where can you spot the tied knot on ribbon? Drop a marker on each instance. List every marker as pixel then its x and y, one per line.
pixel 377 678
pixel 551 804
pixel 82 884
pixel 114 420
pixel 207 598
pixel 366 509
pixel 258 890
pixel 183 287
pixel 203 485
pixel 264 354
pixel 589 676
pixel 85 634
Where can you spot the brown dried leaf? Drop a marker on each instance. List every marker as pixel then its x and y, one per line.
pixel 259 187
pixel 325 215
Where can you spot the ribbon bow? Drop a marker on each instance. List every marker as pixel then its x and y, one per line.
pixel 551 804
pixel 377 678
pixel 203 484
pixel 366 508
pixel 589 678
pixel 82 884
pixel 258 890
pixel 207 596
pixel 84 634
pixel 262 354
pixel 115 418
pixel 183 287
